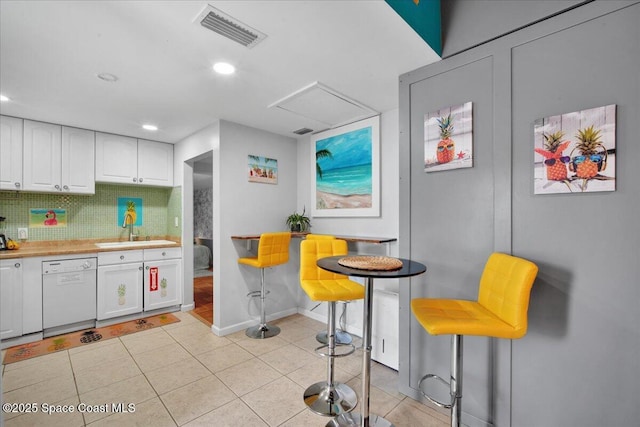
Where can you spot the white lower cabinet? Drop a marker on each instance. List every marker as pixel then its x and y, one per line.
pixel 162 278
pixel 10 298
pixel 130 282
pixel 119 284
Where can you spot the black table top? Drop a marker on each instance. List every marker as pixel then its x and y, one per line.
pixel 409 268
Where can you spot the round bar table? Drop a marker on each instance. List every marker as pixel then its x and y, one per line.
pixel 409 268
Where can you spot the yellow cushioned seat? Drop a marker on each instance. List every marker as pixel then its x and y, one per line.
pixel 322 285
pixel 273 249
pixel 501 309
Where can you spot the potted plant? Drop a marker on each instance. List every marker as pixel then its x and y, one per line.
pixel 298 222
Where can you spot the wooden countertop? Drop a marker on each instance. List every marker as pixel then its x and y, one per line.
pixel 73 247
pixel 361 239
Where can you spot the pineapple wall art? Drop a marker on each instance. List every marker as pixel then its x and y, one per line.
pixel 575 152
pixel 448 138
pixel 129 211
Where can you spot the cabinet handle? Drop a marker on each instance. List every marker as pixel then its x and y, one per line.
pixel 121 256
pixel 135 179
pixel 66 187
pixel 16 265
pixel 140 268
pixel 164 254
pixel 17 185
pixel 140 180
pixel 147 267
pixel 57 187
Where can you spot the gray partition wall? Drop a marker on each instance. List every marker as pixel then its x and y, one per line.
pixel 579 364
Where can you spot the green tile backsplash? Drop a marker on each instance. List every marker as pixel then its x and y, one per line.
pixel 95 217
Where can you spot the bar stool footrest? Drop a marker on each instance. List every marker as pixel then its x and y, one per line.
pixel 255 294
pixel 432 399
pixel 323 354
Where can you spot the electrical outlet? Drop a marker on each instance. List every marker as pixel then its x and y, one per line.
pixel 23 233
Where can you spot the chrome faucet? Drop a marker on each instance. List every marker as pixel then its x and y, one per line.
pixel 124 225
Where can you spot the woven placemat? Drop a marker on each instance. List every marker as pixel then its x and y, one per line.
pixel 380 263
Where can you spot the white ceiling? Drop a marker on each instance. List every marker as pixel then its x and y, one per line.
pixel 52 51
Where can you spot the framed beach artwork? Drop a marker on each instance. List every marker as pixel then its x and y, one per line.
pixel 346 165
pixel 575 152
pixel 448 138
pixel 262 169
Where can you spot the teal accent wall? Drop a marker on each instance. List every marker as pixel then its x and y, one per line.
pixel 424 18
pixel 94 216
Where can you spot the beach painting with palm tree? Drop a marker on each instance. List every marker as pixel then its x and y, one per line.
pixel 346 170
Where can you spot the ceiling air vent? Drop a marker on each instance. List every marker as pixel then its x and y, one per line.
pixel 229 27
pixel 302 131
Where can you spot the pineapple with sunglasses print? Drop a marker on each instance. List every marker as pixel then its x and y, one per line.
pixel 446 147
pixel 593 155
pixel 555 162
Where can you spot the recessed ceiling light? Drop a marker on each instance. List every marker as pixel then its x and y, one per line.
pixel 224 68
pixel 150 127
pixel 107 77
pixel 4 98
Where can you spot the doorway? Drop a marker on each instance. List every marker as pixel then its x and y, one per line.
pixel 203 238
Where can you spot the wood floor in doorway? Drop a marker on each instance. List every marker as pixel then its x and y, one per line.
pixel 203 298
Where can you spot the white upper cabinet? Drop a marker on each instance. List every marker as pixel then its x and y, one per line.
pixel 155 163
pixel 42 162
pixel 125 160
pixel 58 159
pixel 116 158
pixel 78 161
pixel 10 153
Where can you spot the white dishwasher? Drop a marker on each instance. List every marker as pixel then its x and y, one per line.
pixel 68 295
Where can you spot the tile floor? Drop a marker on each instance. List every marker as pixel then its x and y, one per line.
pixel 183 375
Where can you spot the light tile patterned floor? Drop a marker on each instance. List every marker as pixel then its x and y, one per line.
pixel 183 375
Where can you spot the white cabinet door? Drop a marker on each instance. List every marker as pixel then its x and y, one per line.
pixel 10 298
pixel 155 163
pixel 116 159
pixel 162 284
pixel 119 290
pixel 78 161
pixel 42 157
pixel 385 328
pixel 10 153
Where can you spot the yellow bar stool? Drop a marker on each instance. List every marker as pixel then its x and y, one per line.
pixel 273 249
pixel 499 312
pixel 328 398
pixel 342 336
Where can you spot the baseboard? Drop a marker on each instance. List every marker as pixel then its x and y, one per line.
pixel 188 307
pixel 24 339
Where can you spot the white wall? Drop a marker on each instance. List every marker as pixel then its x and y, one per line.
pixel 240 207
pixel 184 152
pixel 243 207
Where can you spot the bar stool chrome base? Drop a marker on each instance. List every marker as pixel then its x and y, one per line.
pixel 342 337
pixel 260 332
pixel 355 420
pixel 330 401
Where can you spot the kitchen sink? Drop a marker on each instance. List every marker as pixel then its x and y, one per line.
pixel 135 244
